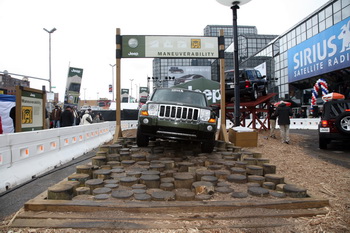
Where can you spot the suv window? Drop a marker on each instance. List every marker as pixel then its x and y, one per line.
pixel 251 74
pixel 177 94
pixel 338 108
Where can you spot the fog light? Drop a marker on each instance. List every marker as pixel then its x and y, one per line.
pixel 145 121
pixel 209 128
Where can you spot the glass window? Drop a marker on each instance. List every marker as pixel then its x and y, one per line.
pixel 328 11
pixel 322 26
pixel 345 3
pixel 308 24
pixel 329 22
pixel 315 30
pixel 314 20
pixel 337 17
pixel 336 6
pixel 321 15
pixel 345 12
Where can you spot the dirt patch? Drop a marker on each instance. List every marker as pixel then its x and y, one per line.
pixel 294 162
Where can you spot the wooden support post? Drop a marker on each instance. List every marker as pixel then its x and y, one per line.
pixel 223 132
pixel 118 129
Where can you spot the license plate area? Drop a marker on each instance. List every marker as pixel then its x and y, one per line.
pixel 324 130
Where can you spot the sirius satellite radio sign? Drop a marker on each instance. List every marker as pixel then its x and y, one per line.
pixel 323 53
pixel 169 47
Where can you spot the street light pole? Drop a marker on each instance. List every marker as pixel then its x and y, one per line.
pixel 131 87
pixel 234 6
pixel 113 98
pixel 50 32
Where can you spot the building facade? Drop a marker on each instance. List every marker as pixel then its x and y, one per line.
pixel 316 50
pixel 8 84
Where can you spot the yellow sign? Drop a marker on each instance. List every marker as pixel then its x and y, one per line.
pixel 27 115
pixel 195 43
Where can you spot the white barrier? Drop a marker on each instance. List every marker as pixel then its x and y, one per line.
pixel 295 123
pixel 29 154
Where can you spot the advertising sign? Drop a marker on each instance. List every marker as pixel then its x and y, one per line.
pixel 73 86
pixel 323 53
pixel 169 47
pixel 183 74
pixel 30 109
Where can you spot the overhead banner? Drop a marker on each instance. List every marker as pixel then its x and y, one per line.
pixel 325 52
pixel 169 47
pixel 73 86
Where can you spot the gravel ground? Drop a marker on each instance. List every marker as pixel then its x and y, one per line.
pixel 322 179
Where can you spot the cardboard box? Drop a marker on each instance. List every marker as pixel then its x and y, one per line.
pixel 243 139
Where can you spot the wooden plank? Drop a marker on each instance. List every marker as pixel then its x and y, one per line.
pixel 191 217
pixel 144 225
pixel 168 207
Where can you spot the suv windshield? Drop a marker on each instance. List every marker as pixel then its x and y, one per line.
pixel 177 95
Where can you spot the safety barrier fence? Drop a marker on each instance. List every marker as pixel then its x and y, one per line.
pixel 295 123
pixel 26 155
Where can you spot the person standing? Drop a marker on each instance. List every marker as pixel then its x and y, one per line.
pixel 67 118
pixel 56 117
pixel 272 110
pixel 283 112
pixel 76 116
pixel 86 119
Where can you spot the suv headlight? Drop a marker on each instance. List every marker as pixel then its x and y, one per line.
pixel 153 109
pixel 204 115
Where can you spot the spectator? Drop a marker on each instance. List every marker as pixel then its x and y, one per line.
pixel 283 112
pixel 76 116
pixel 272 110
pixel 13 117
pixel 86 119
pixel 67 118
pixel 56 117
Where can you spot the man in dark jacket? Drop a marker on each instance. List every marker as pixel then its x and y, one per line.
pixel 273 117
pixel 283 112
pixel 67 117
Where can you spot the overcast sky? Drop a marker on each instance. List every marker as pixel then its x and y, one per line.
pixel 85 36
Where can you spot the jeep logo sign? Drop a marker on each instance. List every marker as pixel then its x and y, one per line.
pixel 213 96
pixel 209 87
pixel 323 53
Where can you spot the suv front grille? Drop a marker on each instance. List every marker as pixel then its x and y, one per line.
pixel 178 113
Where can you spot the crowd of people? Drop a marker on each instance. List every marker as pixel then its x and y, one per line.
pixel 70 116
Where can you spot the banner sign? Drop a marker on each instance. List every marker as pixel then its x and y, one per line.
pixel 144 90
pixel 169 47
pixel 322 53
pixel 124 91
pixel 73 86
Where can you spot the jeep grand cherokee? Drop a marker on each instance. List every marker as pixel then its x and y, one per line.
pixel 177 114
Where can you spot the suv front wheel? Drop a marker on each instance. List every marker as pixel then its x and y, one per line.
pixel 343 122
pixel 141 139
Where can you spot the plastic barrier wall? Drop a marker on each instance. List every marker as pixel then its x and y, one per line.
pixel 26 155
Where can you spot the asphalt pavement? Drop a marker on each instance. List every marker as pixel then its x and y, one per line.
pixel 14 199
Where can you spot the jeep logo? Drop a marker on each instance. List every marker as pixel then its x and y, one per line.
pixel 213 96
